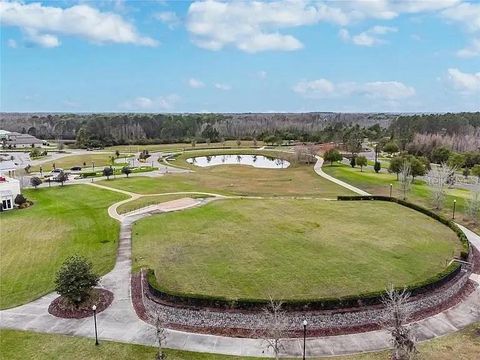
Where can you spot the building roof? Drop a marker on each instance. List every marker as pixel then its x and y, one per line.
pixel 8 165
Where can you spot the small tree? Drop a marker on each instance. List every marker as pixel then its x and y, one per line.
pixel 332 155
pixel 397 313
pixel 126 170
pixel 117 153
pixel 255 143
pixel 476 171
pixel 390 147
pixel 377 167
pixel 161 336
pixel 395 165
pixel 62 177
pixel 75 279
pixel 438 179
pixel 362 161
pixel 20 200
pixel 276 326
pixel 405 180
pixel 239 142
pixel 107 171
pixel 353 162
pixel 35 181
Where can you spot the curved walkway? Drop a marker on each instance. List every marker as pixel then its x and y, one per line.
pixel 119 322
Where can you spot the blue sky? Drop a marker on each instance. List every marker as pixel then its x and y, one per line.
pixel 240 56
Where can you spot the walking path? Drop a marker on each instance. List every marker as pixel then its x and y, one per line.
pixel 119 322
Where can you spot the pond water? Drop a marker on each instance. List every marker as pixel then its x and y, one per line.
pixel 258 161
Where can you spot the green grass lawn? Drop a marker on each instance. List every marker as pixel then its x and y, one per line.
pixel 35 241
pixel 291 249
pixel 152 200
pixel 296 180
pixel 23 345
pixel 100 159
pixel 379 184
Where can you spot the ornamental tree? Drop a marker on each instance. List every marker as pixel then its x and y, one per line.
pixel 75 279
pixel 362 161
pixel 332 155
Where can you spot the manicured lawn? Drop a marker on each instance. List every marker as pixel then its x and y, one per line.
pixel 420 193
pixel 22 345
pixel 296 180
pixel 291 249
pixel 67 162
pixel 62 222
pixel 152 200
pixel 181 146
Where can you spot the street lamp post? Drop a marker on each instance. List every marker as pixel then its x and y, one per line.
pixel 94 308
pixel 391 187
pixel 454 206
pixel 304 337
pixel 93 166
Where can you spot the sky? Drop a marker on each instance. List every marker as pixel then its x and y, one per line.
pixel 240 56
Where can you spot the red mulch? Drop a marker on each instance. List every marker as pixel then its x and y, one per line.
pixel 476 260
pixel 137 300
pixel 61 307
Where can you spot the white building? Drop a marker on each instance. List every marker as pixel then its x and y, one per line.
pixel 9 189
pixel 12 139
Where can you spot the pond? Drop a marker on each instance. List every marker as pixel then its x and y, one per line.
pixel 258 161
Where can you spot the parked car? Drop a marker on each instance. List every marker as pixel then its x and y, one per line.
pixel 54 174
pixel 76 168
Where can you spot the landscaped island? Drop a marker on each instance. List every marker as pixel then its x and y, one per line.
pixel 291 249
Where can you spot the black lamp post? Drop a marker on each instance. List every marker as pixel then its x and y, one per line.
pixel 391 187
pixel 94 308
pixel 93 166
pixel 454 206
pixel 304 337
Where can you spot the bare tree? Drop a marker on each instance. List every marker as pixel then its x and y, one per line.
pixel 473 204
pixel 397 314
pixel 275 326
pixel 161 336
pixel 405 179
pixel 438 179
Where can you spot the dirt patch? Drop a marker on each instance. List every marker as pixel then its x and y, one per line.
pixel 61 307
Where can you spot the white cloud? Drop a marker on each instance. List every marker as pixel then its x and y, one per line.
pixel 169 18
pixel 315 88
pixel 255 26
pixel 12 43
pixel 43 40
pixel 464 82
pixel 467 14
pixel 387 90
pixel 224 87
pixel 195 84
pixel 472 50
pixel 369 37
pixel 161 103
pixel 43 24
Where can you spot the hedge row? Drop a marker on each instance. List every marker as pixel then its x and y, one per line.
pixel 346 302
pixel 451 224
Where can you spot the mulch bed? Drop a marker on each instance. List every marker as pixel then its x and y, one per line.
pixel 61 307
pixel 476 260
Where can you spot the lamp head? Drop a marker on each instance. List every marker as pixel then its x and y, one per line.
pixel 94 307
pixel 305 322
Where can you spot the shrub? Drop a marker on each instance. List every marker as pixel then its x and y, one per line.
pixel 35 181
pixel 390 147
pixel 353 162
pixel 107 171
pixel 332 155
pixel 20 200
pixel 377 167
pixel 126 170
pixel 75 279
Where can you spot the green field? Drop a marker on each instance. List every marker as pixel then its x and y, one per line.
pixel 291 249
pixel 296 180
pixel 22 345
pixel 35 241
pixel 152 200
pixel 379 184
pixel 100 159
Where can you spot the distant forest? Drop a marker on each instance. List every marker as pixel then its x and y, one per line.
pixel 92 130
